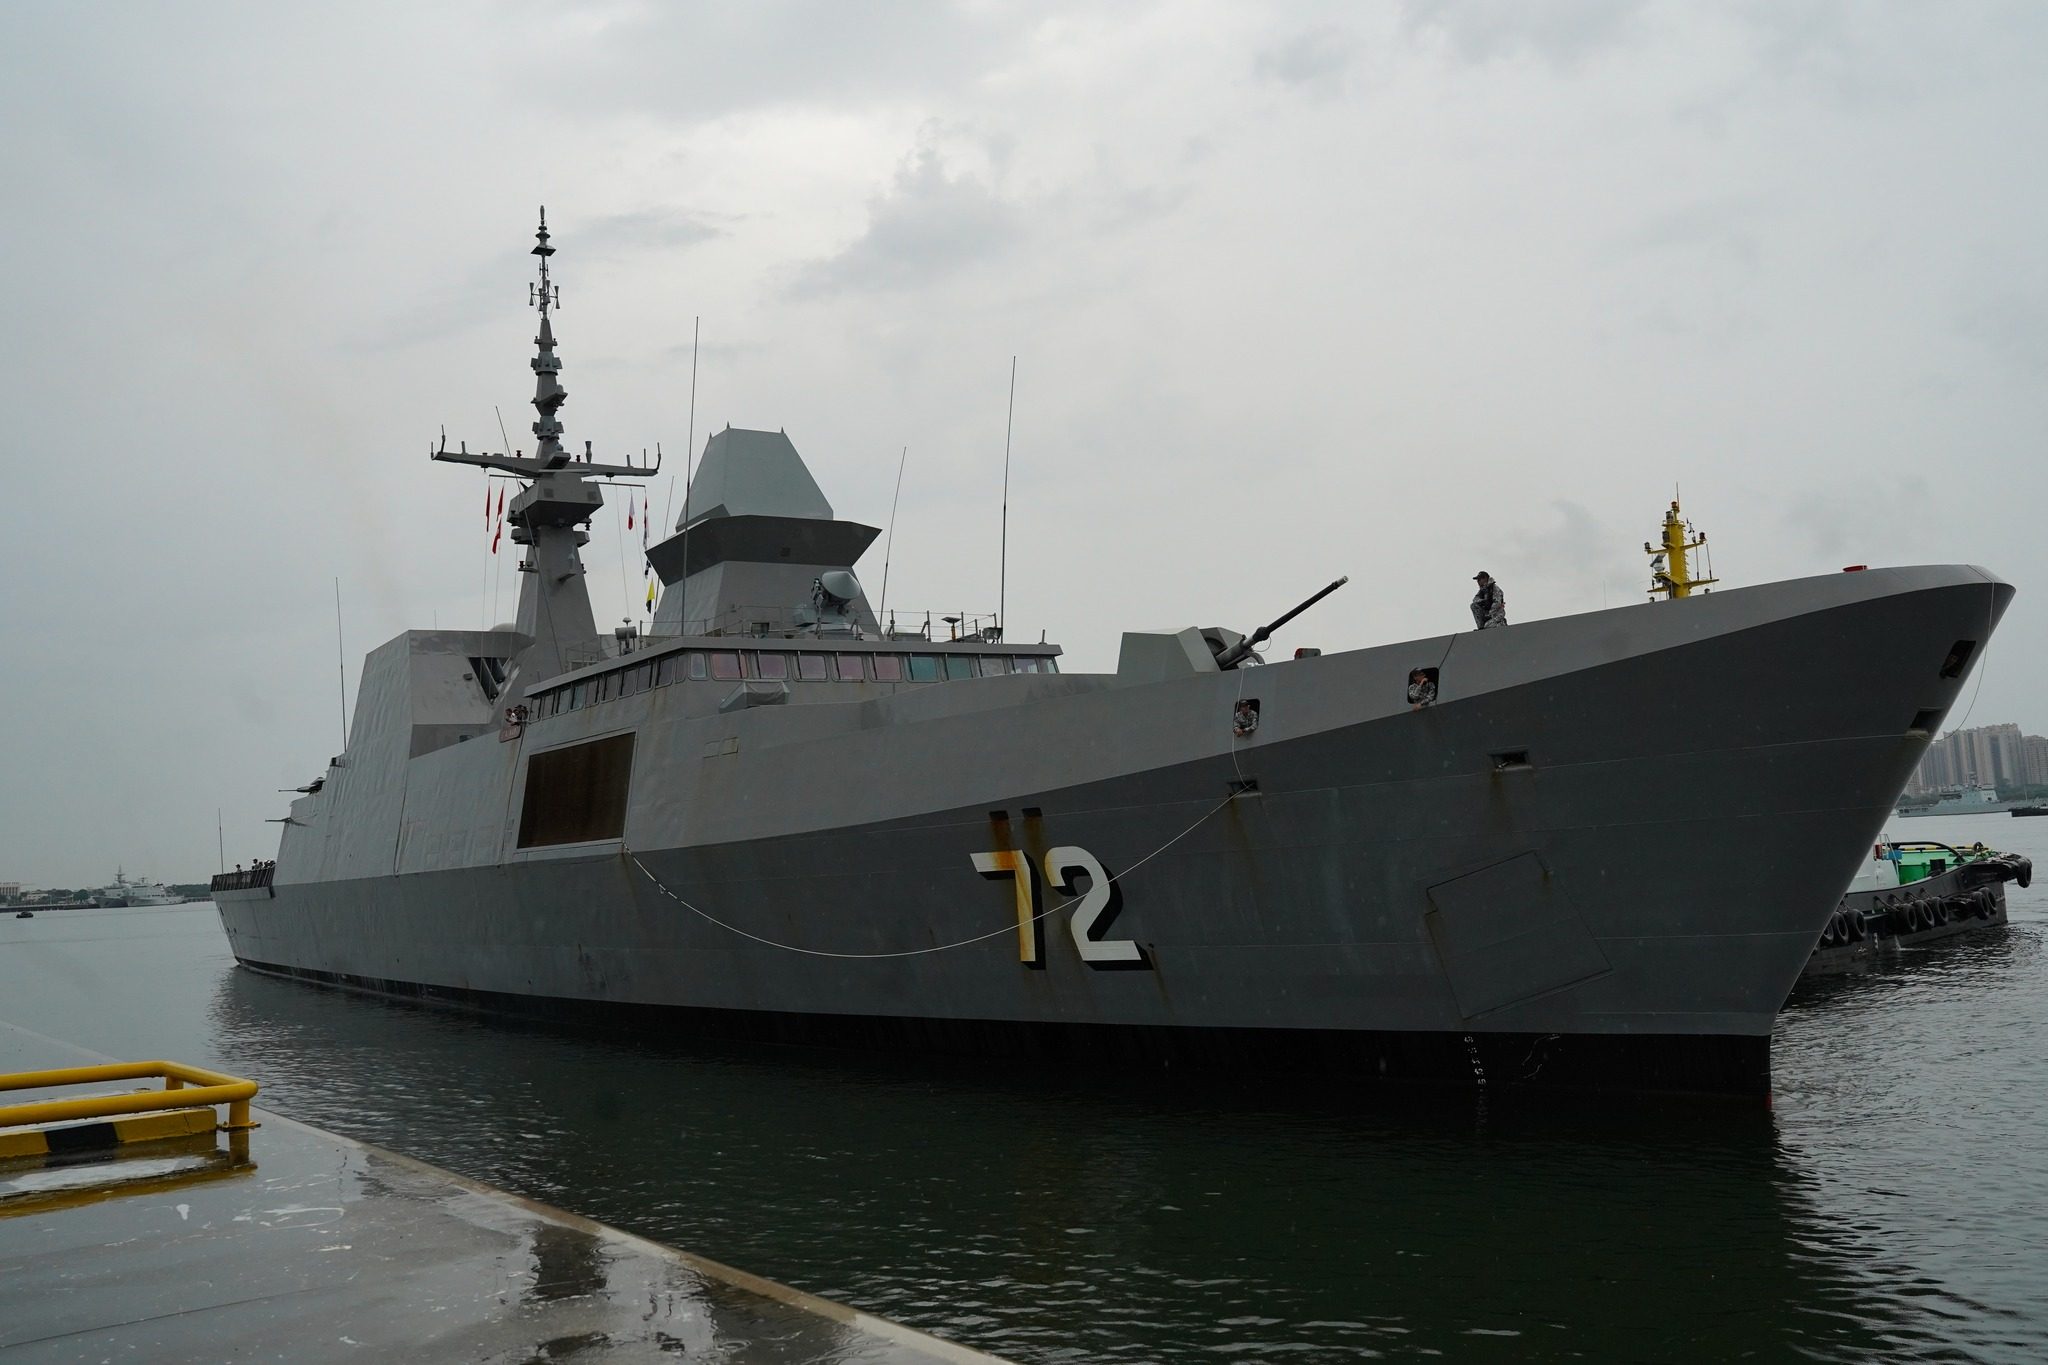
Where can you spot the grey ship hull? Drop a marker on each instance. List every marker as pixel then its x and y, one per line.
pixel 1604 856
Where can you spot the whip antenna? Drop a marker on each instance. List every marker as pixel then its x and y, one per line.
pixel 689 464
pixel 889 545
pixel 340 664
pixel 1003 566
pixel 669 505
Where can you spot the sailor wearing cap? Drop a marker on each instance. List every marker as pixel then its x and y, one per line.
pixel 1489 604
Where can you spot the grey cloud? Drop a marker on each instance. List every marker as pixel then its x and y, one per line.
pixel 1714 229
pixel 483 293
pixel 929 224
pixel 1827 49
pixel 2013 326
pixel 711 61
pixel 479 295
pixel 712 352
pixel 623 234
pixel 1572 552
pixel 1832 522
pixel 1562 32
pixel 1135 205
pixel 1317 61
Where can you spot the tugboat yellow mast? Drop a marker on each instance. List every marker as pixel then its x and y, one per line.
pixel 1670 568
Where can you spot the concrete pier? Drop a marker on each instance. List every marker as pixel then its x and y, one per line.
pixel 308 1246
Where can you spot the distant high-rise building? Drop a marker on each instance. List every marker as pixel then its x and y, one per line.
pixel 1986 756
pixel 2035 756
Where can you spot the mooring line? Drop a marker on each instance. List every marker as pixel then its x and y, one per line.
pixel 936 948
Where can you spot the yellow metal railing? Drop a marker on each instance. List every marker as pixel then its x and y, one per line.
pixel 185 1087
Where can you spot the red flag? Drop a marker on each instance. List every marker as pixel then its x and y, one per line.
pixel 629 511
pixel 501 499
pixel 487 504
pixel 494 536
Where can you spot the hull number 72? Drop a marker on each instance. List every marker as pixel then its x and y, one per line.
pixel 1097 907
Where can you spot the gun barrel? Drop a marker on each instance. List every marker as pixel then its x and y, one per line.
pixel 1237 653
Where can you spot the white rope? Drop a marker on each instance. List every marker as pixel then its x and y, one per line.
pixel 1990 623
pixel 1242 785
pixel 938 948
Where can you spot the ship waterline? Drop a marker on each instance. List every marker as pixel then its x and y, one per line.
pixel 1602 857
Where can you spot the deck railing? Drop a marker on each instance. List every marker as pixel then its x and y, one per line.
pixel 244 879
pixel 794 623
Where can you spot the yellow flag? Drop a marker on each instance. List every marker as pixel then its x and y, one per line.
pixel 650 594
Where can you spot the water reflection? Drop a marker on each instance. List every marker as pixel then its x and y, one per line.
pixel 1049 1218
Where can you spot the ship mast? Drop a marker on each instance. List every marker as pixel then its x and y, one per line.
pixel 1671 570
pixel 549 514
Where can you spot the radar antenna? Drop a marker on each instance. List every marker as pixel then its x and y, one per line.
pixel 550 456
pixel 560 498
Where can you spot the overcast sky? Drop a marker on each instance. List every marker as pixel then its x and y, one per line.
pixel 1396 291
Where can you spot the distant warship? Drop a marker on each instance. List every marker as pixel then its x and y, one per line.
pixel 773 817
pixel 124 892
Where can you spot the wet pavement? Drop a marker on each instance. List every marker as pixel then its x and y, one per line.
pixel 312 1247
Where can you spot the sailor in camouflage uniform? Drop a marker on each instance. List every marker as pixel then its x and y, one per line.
pixel 1489 604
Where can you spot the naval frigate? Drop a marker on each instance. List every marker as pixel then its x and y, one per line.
pixel 776 816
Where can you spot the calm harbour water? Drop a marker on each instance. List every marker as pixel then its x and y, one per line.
pixel 1891 1205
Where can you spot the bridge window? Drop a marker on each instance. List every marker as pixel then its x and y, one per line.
pixel 924 668
pixel 811 667
pixel 850 669
pixel 696 666
pixel 725 665
pixel 772 667
pixel 579 694
pixel 959 666
pixel 888 668
pixel 994 665
pixel 664 670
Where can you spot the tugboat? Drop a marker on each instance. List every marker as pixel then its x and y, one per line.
pixel 773 818
pixel 1914 892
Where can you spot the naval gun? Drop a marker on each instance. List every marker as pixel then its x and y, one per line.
pixel 1231 655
